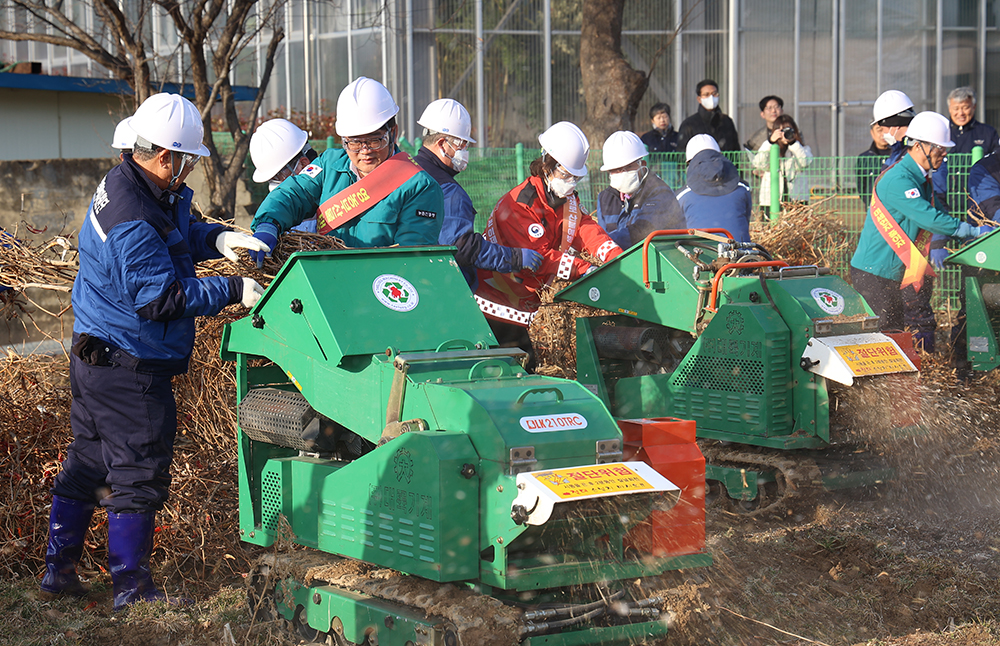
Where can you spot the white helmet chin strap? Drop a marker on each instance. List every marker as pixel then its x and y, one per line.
pixel 176 175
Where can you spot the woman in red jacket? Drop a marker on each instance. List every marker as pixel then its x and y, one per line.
pixel 543 213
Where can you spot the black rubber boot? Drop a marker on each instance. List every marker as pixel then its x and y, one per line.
pixel 130 542
pixel 68 523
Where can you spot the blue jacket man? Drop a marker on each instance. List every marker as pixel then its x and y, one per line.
pixel 638 202
pixel 409 215
pixel 445 153
pixel 135 299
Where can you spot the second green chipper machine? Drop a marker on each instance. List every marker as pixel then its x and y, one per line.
pixel 382 428
pixel 754 352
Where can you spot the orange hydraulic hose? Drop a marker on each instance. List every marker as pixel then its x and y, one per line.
pixel 670 232
pixel 717 280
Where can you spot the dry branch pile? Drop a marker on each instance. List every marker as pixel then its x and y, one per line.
pixel 196 537
pixel 48 265
pixel 806 234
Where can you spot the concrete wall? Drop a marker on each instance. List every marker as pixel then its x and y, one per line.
pixel 56 194
pixel 40 124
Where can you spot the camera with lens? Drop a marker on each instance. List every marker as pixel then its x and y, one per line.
pixel 788 133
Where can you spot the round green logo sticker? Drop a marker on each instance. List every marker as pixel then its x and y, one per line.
pixel 828 300
pixel 395 292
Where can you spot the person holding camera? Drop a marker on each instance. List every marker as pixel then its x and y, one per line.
pixel 795 157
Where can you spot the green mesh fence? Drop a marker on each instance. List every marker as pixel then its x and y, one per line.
pixel 837 180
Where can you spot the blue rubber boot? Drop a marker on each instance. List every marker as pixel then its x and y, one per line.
pixel 130 542
pixel 68 523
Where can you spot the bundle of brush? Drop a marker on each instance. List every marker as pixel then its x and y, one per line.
pixel 553 330
pixel 978 217
pixel 50 264
pixel 805 234
pixel 290 242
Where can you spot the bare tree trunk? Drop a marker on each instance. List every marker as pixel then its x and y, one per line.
pixel 216 25
pixel 611 87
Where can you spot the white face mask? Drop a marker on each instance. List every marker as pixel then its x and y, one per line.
pixel 561 187
pixel 629 181
pixel 460 161
pixel 710 102
pixel 273 184
pixel 888 138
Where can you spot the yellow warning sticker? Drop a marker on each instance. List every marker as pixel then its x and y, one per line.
pixel 874 358
pixel 581 482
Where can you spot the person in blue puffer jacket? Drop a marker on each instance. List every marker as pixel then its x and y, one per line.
pixel 134 300
pixel 444 154
pixel 714 196
pixel 410 211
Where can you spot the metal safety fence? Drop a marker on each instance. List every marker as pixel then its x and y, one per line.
pixel 834 184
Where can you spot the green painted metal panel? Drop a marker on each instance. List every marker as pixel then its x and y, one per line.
pixel 318 297
pixel 406 506
pixel 983 252
pixel 981 327
pixel 671 299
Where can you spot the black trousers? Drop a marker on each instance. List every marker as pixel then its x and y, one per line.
pixel 918 315
pixel 124 423
pixel 883 295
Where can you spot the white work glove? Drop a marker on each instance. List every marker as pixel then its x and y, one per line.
pixel 228 241
pixel 252 292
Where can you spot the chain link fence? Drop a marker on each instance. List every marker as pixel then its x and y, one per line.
pixel 834 184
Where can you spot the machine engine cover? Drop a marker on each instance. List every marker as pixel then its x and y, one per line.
pixel 842 358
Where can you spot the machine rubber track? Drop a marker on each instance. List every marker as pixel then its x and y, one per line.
pixel 797 478
pixel 461 615
pixel 470 618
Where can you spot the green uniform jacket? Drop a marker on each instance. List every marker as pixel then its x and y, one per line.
pixel 409 216
pixel 906 193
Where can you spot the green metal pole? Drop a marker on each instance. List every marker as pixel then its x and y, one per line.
pixel 519 161
pixel 329 142
pixel 775 161
pixel 977 153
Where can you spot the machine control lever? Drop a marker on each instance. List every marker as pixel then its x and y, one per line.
pixel 468 471
pixel 806 363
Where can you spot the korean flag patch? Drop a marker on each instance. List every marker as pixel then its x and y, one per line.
pixel 536 230
pixel 312 170
pixel 912 193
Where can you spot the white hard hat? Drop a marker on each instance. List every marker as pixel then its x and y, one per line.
pixel 448 117
pixel 698 143
pixel 567 144
pixel 172 122
pixel 124 138
pixel 621 149
pixel 273 145
pixel 364 106
pixel 890 103
pixel 932 128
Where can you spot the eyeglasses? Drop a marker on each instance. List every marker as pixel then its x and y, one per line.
pixel 562 173
pixel 374 145
pixel 456 143
pixel 190 161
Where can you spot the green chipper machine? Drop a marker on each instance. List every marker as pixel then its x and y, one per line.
pixel 381 427
pixel 754 351
pixel 981 278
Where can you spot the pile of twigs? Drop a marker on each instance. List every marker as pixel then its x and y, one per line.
pixel 196 535
pixel 553 332
pixel 197 532
pixel 47 265
pixel 805 234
